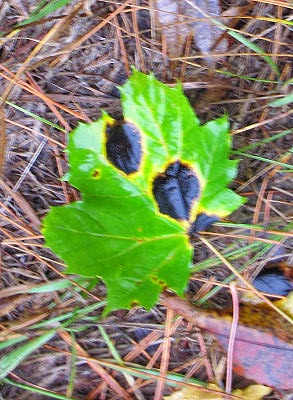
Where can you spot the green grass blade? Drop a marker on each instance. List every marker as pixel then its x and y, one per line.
pixel 26 112
pixel 115 354
pixel 44 392
pixel 268 140
pixel 231 277
pixel 263 249
pixel 111 346
pixel 15 357
pixel 246 77
pixel 58 285
pixel 172 378
pixel 72 315
pixel 238 36
pixel 10 361
pixel 267 160
pixel 229 253
pixel 38 8
pixel 11 342
pixel 284 101
pixel 255 48
pixel 40 12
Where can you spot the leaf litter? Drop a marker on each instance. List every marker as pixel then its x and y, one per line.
pixel 177 20
pixel 84 80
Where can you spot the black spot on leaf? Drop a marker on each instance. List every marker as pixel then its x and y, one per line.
pixel 175 190
pixel 273 281
pixel 123 147
pixel 202 222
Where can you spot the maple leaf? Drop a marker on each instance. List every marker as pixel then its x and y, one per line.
pixel 118 231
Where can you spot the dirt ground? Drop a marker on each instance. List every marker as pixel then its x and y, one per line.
pixel 66 68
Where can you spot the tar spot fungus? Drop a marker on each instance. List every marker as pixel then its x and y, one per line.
pixel 273 281
pixel 123 147
pixel 202 222
pixel 175 190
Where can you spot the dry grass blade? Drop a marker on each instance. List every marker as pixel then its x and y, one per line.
pixel 165 354
pixel 22 203
pixel 2 139
pixel 86 36
pixel 97 368
pixel 34 52
pixel 40 95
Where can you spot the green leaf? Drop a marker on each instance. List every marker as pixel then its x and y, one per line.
pixel 170 131
pixel 116 231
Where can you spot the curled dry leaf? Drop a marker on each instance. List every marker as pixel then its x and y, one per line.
pixel 176 20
